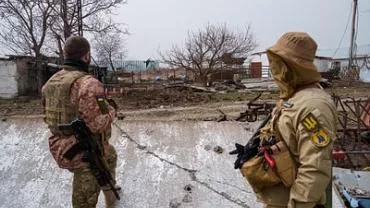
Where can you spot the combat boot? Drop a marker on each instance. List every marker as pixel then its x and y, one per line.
pixel 110 198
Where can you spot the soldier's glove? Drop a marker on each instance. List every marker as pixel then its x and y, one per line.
pixel 244 153
pixel 240 152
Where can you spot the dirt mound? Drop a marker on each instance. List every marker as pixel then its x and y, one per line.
pixel 154 98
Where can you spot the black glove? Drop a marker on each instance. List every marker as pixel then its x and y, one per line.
pixel 244 153
pixel 240 151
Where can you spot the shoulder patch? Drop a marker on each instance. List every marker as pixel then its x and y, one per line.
pixel 287 104
pixel 310 123
pixel 319 136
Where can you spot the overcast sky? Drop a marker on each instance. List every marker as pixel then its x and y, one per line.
pixel 157 24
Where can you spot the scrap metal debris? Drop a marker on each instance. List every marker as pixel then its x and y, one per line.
pixel 365 137
pixel 352 187
pixel 222 117
pixel 352 147
pixel 254 109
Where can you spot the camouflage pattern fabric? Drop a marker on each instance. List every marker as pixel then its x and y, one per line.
pixel 83 97
pixel 86 189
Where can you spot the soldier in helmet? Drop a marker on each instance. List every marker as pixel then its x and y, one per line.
pixel 69 94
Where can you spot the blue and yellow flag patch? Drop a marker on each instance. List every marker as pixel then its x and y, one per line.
pixel 102 104
pixel 319 136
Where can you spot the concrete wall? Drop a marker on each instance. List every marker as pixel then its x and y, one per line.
pixel 17 78
pixel 365 75
pixel 26 82
pixel 156 161
pixel 8 79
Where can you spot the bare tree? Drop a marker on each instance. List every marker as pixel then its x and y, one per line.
pixel 24 28
pixel 205 49
pixel 93 15
pixel 24 25
pixel 28 27
pixel 109 46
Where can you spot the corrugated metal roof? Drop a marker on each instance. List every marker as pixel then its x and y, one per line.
pixel 341 53
pixel 132 65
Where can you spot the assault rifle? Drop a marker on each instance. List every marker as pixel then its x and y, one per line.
pixel 93 155
pixel 251 149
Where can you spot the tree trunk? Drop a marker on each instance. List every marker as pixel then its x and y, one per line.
pixel 111 65
pixel 202 78
pixel 60 48
pixel 114 70
pixel 39 73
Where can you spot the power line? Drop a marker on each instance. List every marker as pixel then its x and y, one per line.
pixel 344 33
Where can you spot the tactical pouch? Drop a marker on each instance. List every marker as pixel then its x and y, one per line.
pixel 285 168
pixel 258 174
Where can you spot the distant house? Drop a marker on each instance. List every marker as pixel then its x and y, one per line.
pixel 329 59
pixel 340 58
pixel 133 65
pixel 19 77
pixel 322 63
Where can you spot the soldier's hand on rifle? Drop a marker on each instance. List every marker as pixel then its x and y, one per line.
pixel 112 103
pixel 244 153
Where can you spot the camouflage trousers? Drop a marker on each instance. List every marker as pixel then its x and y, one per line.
pixel 86 188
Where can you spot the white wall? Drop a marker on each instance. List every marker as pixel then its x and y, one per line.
pixel 8 79
pixel 322 65
pixel 365 75
pixel 364 71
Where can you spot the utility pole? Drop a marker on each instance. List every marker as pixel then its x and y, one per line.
pixel 350 61
pixel 79 17
pixel 64 12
